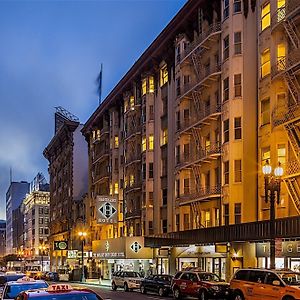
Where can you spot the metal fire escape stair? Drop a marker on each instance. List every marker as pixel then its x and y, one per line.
pixel 197 176
pixel 196 58
pixel 294 191
pixel 293 133
pixel 292 33
pixel 293 85
pixel 197 102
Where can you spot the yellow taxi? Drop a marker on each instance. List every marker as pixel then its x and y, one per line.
pixel 265 284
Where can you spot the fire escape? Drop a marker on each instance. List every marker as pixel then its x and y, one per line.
pixel 287 19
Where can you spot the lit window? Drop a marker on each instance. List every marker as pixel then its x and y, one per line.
pixel 151 142
pixel 237 85
pixel 281 57
pixel 237 42
pixel 125 106
pixel 237 128
pixel 265 16
pixel 144 146
pixel 237 6
pixel 265 155
pixel 226 48
pixel 207 142
pixel 280 10
pixel 151 84
pixel 116 142
pixel 131 180
pixel 238 170
pixel 226 172
pixel 226 130
pixel 164 139
pixel 116 191
pixel 226 9
pixel 281 154
pixel 131 101
pixel 265 63
pixel 144 86
pixel 265 111
pixel 163 75
pixel 110 189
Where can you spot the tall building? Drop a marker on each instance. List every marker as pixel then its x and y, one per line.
pixel 181 139
pixel 14 230
pixel 2 238
pixel 68 164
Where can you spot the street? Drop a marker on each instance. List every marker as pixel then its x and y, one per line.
pixel 108 293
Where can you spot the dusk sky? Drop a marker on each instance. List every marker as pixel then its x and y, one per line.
pixel 50 55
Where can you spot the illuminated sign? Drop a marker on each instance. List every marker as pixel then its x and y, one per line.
pixel 135 247
pixel 107 246
pixel 60 245
pixel 106 207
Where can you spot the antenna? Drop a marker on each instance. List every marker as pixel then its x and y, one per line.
pixel 10 174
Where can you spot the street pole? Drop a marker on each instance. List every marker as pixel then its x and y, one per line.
pixel 272 228
pixel 82 260
pixel 42 260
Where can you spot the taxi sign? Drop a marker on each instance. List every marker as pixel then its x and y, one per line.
pixel 25 279
pixel 59 288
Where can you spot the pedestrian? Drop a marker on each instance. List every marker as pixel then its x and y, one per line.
pixel 100 276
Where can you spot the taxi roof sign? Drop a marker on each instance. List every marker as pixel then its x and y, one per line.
pixel 25 279
pixel 59 288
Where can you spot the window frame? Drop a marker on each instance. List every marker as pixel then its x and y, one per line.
pixel 265 63
pixel 265 15
pixel 238 128
pixel 237 42
pixel 226 47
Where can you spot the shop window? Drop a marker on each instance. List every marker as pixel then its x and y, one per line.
pixel 226 130
pixel 237 42
pixel 281 57
pixel 237 6
pixel 150 170
pixel 238 170
pixel 116 188
pixel 265 112
pixel 237 85
pixel 116 142
pixel 151 142
pixel 226 48
pixel 237 128
pixel 226 214
pixel 164 226
pixel 226 172
pixel 225 9
pixel 163 75
pixel 281 154
pixel 265 16
pixel 265 63
pixel 144 146
pixel 226 89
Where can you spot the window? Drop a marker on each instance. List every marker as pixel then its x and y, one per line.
pixel 164 138
pixel 226 48
pixel 178 120
pixel 131 180
pixel 41 230
pixel 226 172
pixel 280 10
pixel 177 188
pixel 110 189
pixel 281 57
pixel 46 231
pixel 265 155
pixel 226 130
pixel 151 142
pixel 265 16
pixel 163 75
pixel 265 112
pixel 226 9
pixel 238 170
pixel 186 222
pixel 46 221
pixel 186 186
pixel 237 42
pixel 151 112
pixel 265 63
pixel 41 221
pixel 164 226
pixel 144 171
pixel 206 215
pixel 144 86
pixel 177 222
pixel 116 188
pixel 150 227
pixel 237 6
pixel 144 146
pixel 237 213
pixel 131 102
pixel 257 276
pixel 150 170
pixel 116 142
pixel 150 198
pixel 164 196
pixel 281 154
pixel 151 84
pixel 270 278
pixel 178 93
pixel 226 89
pixel 226 214
pixel 237 85
pixel 237 128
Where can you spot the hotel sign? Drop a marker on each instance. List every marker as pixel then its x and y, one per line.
pixel 106 210
pixel 60 245
pixel 288 249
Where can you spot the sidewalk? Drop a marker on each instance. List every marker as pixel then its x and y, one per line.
pixel 104 282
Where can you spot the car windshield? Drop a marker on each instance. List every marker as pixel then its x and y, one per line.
pixel 209 277
pixel 290 278
pixel 86 296
pixel 132 274
pixel 13 290
pixel 165 278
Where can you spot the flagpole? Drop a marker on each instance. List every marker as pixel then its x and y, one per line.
pixel 100 83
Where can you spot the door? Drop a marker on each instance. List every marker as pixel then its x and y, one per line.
pixel 271 291
pixel 254 286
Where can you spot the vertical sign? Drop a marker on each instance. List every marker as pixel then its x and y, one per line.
pixel 106 209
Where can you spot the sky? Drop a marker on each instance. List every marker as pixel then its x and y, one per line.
pixel 50 55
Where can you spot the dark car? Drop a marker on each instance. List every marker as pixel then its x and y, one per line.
pixel 203 285
pixel 160 284
pixel 51 276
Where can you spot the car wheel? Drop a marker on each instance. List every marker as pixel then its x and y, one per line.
pixel 288 298
pixel 238 296
pixel 203 295
pixel 113 286
pixel 176 293
pixel 143 289
pixel 161 292
pixel 126 289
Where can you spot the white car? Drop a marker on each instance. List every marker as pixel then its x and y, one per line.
pixel 13 288
pixel 128 280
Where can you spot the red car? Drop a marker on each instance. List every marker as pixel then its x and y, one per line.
pixel 203 285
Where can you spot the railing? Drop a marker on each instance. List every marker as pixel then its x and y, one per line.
pixel 98 154
pixel 292 168
pixel 132 158
pixel 133 214
pixel 134 186
pixel 285 63
pixel 251 232
pixel 132 131
pixel 213 29
pixel 283 114
pixel 200 193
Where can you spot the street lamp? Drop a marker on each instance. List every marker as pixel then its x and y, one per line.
pixel 272 187
pixel 82 235
pixel 42 249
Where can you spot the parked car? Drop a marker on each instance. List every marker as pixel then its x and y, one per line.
pixel 128 280
pixel 203 285
pixel 9 276
pixel 264 283
pixel 160 284
pixel 51 276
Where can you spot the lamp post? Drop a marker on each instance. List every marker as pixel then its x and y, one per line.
pixel 272 187
pixel 82 235
pixel 42 249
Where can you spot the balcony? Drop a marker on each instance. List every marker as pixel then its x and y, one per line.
pixel 282 114
pixel 132 158
pixel 132 214
pixel 100 154
pixel 292 169
pixel 100 134
pixel 201 39
pixel 135 186
pixel 203 193
pixel 132 132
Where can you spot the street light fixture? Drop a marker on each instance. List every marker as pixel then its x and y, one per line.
pixel 82 235
pixel 42 249
pixel 272 187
